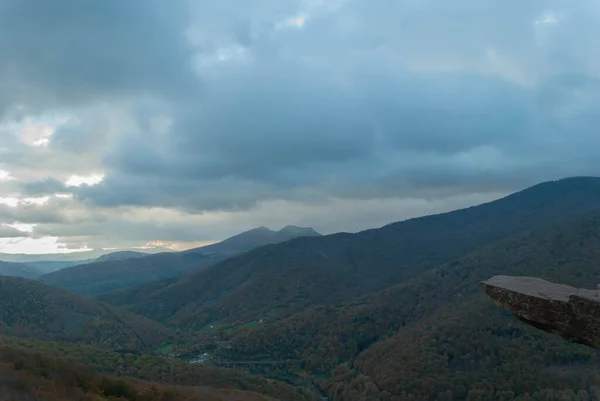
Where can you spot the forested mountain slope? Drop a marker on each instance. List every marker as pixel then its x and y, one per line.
pixel 112 272
pixel 84 374
pixel 286 278
pixel 437 336
pixel 254 238
pixel 19 269
pixel 34 310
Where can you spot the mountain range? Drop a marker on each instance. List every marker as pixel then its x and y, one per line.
pixel 98 351
pixel 115 273
pixel 439 325
pixel 32 266
pixel 19 269
pixel 371 311
pixel 393 313
pixel 73 257
pixel 279 280
pixel 37 370
pixel 33 310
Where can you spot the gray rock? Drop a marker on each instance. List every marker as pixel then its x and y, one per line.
pixel 572 313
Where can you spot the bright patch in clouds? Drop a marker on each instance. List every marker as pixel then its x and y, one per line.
pixel 293 22
pixel 298 21
pixel 14 202
pixel 35 201
pixel 26 228
pixel 174 246
pixel 546 18
pixel 202 61
pixel 78 180
pixel 5 175
pixel 9 201
pixel 35 246
pixel 36 134
pixel 37 131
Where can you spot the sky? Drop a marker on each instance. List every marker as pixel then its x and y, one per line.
pixel 178 123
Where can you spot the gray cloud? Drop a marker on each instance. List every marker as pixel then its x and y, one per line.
pixel 10 232
pixel 222 106
pixel 44 187
pixel 126 231
pixel 295 137
pixel 34 214
pixel 64 53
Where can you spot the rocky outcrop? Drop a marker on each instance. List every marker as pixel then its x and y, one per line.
pixel 570 312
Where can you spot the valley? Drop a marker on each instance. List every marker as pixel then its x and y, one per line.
pixel 299 200
pixel 394 313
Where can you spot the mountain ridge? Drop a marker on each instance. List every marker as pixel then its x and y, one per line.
pixel 71 257
pixel 37 268
pixel 25 270
pixel 293 275
pixel 253 238
pixel 109 275
pixel 34 310
pixel 437 333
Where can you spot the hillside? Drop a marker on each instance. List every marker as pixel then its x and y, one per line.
pixel 113 274
pixel 49 266
pixel 254 238
pixel 30 376
pixel 160 370
pixel 120 255
pixel 19 269
pixel 286 278
pixel 438 334
pixel 71 257
pixel 41 266
pixel 34 310
pixel 27 374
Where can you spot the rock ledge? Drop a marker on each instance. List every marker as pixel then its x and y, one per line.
pixel 572 313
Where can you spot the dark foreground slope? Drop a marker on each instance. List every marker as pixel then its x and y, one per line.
pixel 289 277
pixel 437 336
pixel 112 272
pixel 212 383
pixel 34 310
pixel 26 376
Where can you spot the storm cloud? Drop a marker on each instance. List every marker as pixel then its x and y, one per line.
pixel 207 109
pixel 10 232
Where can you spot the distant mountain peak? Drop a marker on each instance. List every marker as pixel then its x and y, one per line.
pixel 296 230
pixel 258 229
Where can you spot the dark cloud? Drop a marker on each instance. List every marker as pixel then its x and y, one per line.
pixel 126 231
pixel 10 232
pixel 31 214
pixel 303 102
pixel 44 187
pixel 63 53
pixel 286 138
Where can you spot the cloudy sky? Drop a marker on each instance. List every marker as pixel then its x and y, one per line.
pixel 124 123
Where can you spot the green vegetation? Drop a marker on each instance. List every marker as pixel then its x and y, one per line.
pixel 159 369
pixel 165 349
pixel 19 269
pixel 34 310
pixel 393 314
pixel 120 270
pixel 32 376
pixel 437 334
pixel 333 269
